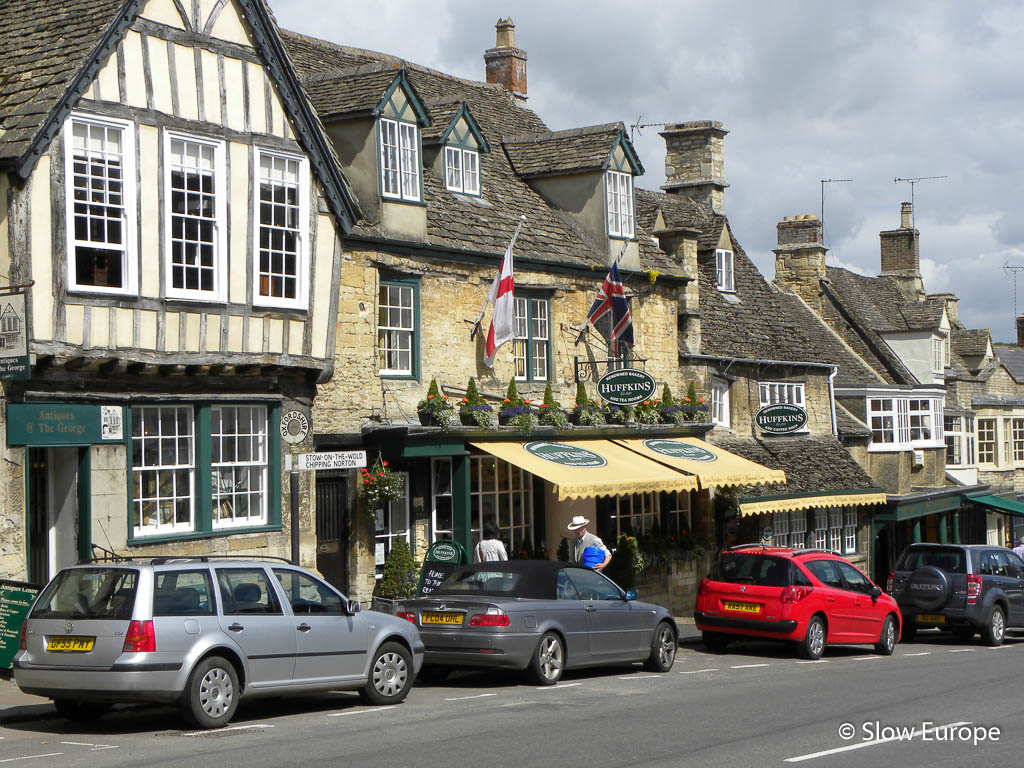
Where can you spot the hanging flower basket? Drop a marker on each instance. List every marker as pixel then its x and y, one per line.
pixel 379 486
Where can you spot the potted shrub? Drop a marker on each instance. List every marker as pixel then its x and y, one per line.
pixel 398 579
pixel 619 414
pixel 648 412
pixel 669 410
pixel 434 410
pixel 515 411
pixel 585 412
pixel 551 413
pixel 474 410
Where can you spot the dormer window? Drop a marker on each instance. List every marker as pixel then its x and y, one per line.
pixel 620 204
pixel 938 355
pixel 723 270
pixel 462 170
pixel 400 160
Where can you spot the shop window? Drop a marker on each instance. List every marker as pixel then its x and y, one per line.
pixel 163 470
pixel 282 213
pixel 501 493
pixel 397 323
pixel 639 512
pixel 238 436
pixel 835 530
pixel 531 345
pixel 820 531
pixel 849 532
pixel 391 523
pixel 441 499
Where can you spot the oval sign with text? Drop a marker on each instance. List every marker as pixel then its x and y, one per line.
pixel 627 386
pixel 566 455
pixel 680 450
pixel 781 419
pixel 442 552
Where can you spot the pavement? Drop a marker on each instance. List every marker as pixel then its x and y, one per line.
pixel 18 707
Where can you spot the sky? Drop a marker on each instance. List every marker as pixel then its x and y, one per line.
pixel 812 90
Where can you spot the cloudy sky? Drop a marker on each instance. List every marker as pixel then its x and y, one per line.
pixel 813 90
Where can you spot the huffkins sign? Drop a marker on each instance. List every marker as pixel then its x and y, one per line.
pixel 627 386
pixel 781 419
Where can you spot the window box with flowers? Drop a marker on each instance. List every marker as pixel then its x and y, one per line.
pixel 551 413
pixel 474 411
pixel 585 412
pixel 515 411
pixel 687 410
pixel 434 410
pixel 648 412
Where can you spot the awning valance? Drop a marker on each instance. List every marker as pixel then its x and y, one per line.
pixel 791 501
pixel 587 468
pixel 998 504
pixel 712 466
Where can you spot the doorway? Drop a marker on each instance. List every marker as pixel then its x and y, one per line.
pixel 332 529
pixel 53 511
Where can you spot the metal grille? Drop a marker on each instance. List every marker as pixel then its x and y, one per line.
pixel 331 508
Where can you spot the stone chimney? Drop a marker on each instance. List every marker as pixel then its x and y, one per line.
pixel 901 255
pixel 952 304
pixel 681 244
pixel 1020 331
pixel 694 162
pixel 800 258
pixel 506 64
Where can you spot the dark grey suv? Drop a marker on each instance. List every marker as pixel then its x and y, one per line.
pixel 965 588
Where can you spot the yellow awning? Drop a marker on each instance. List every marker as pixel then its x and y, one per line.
pixel 586 468
pixel 713 466
pixel 807 501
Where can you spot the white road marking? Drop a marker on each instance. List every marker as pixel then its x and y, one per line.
pixel 816 661
pixel 747 666
pixel 961 650
pixel 1000 647
pixel 255 726
pixel 30 757
pixel 872 743
pixel 698 671
pixel 357 712
pixel 922 653
pixel 864 658
pixel 557 687
pixel 478 696
pixel 95 747
pixel 638 677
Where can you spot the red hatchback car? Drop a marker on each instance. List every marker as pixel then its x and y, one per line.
pixel 812 597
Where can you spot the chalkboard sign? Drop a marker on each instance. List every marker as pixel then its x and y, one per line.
pixel 442 559
pixel 15 600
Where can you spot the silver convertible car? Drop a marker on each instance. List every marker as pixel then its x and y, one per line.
pixel 541 617
pixel 206 633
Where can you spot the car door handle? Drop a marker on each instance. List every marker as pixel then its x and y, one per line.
pixel 590 609
pixel 236 627
pixel 303 627
pixel 830 598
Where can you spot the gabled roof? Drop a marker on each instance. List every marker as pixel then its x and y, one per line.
pixel 361 91
pixel 922 315
pixel 677 211
pixel 446 115
pixel 970 342
pixel 573 151
pixel 1012 358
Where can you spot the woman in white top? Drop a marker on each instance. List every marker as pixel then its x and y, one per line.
pixel 490 546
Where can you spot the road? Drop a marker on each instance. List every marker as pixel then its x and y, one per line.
pixel 756 705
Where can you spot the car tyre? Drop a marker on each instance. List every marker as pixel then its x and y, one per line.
pixel 887 639
pixel 909 631
pixel 548 660
pixel 211 693
pixel 81 711
pixel 995 630
pixel 433 674
pixel 391 675
pixel 663 649
pixel 716 642
pixel 813 644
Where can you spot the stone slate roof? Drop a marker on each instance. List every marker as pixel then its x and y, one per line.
pixel 43 46
pixel 1012 359
pixel 923 315
pixel 485 223
pixel 970 342
pixel 810 464
pixel 678 211
pixel 850 425
pixel 351 92
pixel 559 152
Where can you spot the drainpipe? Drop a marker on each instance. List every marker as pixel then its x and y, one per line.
pixel 832 399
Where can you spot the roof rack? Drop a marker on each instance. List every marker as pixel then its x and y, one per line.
pixel 164 559
pixel 813 550
pixel 754 545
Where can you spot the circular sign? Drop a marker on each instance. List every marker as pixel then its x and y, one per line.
pixel 680 450
pixel 443 553
pixel 781 419
pixel 294 427
pixel 566 455
pixel 627 386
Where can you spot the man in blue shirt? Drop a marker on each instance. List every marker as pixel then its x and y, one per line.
pixel 582 540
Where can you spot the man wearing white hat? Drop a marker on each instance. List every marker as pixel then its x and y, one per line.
pixel 582 541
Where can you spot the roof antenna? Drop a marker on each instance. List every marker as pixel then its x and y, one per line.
pixel 912 180
pixel 634 129
pixel 1013 270
pixel 823 183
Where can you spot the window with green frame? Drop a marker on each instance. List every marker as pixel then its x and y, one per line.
pixel 398 131
pixel 398 313
pixel 203 468
pixel 531 345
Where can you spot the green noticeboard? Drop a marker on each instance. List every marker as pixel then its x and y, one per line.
pixel 442 559
pixel 64 424
pixel 15 600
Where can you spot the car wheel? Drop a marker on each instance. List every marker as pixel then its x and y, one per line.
pixel 81 711
pixel 433 674
pixel 663 649
pixel 715 642
pixel 813 644
pixel 548 660
pixel 211 694
pixel 963 633
pixel 887 639
pixel 909 631
pixel 391 675
pixel 995 630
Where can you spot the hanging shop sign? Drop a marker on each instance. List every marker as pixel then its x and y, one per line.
pixel 566 455
pixel 781 419
pixel 64 424
pixel 680 450
pixel 627 386
pixel 14 362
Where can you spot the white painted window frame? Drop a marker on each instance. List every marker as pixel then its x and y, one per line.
pixel 900 431
pixel 462 170
pixel 304 260
pixel 129 199
pixel 160 529
pixel 720 401
pixel 725 279
pixel 258 464
pixel 619 199
pixel 405 150
pixel 403 331
pixel 994 442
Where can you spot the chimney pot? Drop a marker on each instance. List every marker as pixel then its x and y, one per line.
pixel 907 215
pixel 505 64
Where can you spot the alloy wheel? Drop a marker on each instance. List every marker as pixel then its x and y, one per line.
pixel 998 625
pixel 390 673
pixel 816 638
pixel 666 647
pixel 550 657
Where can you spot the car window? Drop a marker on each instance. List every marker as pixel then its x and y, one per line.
pixel 246 590
pixel 183 593
pixel 1015 562
pixel 566 589
pixel 855 580
pixel 1002 565
pixel 307 595
pixel 591 585
pixel 948 559
pixel 495 582
pixel 987 564
pixel 89 593
pixel 825 571
pixel 743 568
pixel 800 578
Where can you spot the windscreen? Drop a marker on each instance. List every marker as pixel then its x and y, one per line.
pixel 761 570
pixel 950 560
pixel 89 593
pixel 488 582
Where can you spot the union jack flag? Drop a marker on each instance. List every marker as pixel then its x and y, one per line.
pixel 612 298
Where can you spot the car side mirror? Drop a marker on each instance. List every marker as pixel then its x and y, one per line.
pixel 631 594
pixel 876 592
pixel 352 607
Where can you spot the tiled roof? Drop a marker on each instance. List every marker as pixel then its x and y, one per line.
pixel 572 151
pixel 43 45
pixel 850 425
pixel 354 91
pixel 1012 359
pixel 970 342
pixel 441 112
pixel 678 211
pixel 922 315
pixel 810 464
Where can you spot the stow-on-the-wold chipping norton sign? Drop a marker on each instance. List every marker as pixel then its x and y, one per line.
pixel 627 386
pixel 781 419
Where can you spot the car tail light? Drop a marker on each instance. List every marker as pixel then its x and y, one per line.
pixel 141 637
pixel 493 618
pixel 889 582
pixel 794 594
pixel 23 643
pixel 703 588
pixel 407 615
pixel 973 588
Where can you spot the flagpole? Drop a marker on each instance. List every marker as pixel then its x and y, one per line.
pixel 494 285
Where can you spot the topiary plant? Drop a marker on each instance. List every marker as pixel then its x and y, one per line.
pixel 563 550
pixel 551 413
pixel 398 578
pixel 474 410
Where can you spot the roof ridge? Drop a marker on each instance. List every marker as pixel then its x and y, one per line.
pixel 586 130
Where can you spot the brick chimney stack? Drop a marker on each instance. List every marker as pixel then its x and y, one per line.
pixel 694 162
pixel 901 255
pixel 506 64
pixel 800 258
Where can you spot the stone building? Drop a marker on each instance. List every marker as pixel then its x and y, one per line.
pixel 170 222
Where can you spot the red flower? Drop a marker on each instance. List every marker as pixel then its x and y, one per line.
pixel 647 402
pixel 446 397
pixel 506 400
pixel 700 399
pixel 464 400
pixel 383 463
pixel 542 405
pixel 366 481
pixel 686 399
pixel 380 474
pixel 575 405
pixel 430 397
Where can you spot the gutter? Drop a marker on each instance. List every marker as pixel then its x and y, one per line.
pixel 731 360
pixel 832 400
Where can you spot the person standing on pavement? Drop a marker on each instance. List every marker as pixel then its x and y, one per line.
pixel 490 546
pixel 584 540
pixel 1019 549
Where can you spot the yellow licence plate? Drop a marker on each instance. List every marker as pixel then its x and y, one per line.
pixel 441 618
pixel 742 607
pixel 70 644
pixel 931 618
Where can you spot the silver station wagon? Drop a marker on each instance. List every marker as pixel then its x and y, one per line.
pixel 206 633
